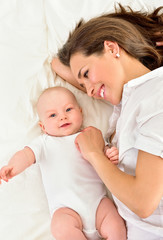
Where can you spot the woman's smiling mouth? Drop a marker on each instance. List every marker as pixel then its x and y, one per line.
pixel 102 91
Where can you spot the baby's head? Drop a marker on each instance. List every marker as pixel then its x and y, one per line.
pixel 59 112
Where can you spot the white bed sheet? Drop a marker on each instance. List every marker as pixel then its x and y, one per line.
pixel 31 33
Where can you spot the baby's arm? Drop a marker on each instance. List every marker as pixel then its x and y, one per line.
pixel 112 154
pixel 17 164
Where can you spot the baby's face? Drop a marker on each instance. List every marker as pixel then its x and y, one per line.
pixel 59 113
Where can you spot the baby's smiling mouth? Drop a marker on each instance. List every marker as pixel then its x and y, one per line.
pixel 65 125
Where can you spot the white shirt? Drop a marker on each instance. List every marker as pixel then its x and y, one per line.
pixel 140 127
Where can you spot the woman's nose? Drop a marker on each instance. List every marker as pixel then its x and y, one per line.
pixel 90 90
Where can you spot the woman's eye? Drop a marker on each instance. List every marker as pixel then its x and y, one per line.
pixel 68 109
pixel 86 74
pixel 82 85
pixel 53 115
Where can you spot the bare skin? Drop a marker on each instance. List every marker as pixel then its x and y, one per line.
pixel 60 115
pixel 134 191
pixel 65 72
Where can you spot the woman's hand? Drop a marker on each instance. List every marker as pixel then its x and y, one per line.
pixel 65 73
pixel 159 43
pixel 90 141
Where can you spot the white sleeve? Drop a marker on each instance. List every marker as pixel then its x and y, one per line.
pixel 112 124
pixel 150 135
pixel 37 147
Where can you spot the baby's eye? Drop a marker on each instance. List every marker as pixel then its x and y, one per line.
pixel 53 115
pixel 86 74
pixel 68 109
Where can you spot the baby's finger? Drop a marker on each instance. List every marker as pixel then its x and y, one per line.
pixel 110 152
pixel 115 162
pixel 5 173
pixel 114 158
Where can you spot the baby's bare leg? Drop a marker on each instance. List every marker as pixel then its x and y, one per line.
pixel 67 225
pixel 108 221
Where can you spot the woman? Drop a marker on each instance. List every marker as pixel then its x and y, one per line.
pixel 114 58
pixel 150 25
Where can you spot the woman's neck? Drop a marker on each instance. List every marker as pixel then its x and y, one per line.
pixel 133 68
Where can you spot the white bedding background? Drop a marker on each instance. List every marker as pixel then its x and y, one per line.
pixel 31 31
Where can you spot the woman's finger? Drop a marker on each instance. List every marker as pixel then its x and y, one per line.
pixel 159 43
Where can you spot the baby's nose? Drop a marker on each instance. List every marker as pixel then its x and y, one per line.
pixel 63 116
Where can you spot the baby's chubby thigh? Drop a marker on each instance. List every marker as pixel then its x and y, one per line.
pixel 109 223
pixel 66 223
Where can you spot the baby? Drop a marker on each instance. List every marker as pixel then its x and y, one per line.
pixel 76 196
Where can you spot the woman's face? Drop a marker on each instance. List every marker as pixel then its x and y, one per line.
pixel 101 75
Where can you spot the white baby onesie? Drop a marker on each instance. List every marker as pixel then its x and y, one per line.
pixel 69 180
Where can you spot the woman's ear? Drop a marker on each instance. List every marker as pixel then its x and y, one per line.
pixel 112 48
pixel 42 126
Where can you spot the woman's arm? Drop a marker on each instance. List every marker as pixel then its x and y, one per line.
pixel 17 164
pixel 65 73
pixel 140 193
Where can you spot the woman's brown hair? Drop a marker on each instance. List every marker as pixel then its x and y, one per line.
pixel 135 32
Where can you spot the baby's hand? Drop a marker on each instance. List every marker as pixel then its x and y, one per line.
pixel 113 154
pixel 6 173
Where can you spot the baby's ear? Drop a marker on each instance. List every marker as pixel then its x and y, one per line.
pixel 41 125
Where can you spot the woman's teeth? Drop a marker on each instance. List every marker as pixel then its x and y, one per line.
pixel 102 93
